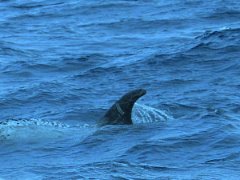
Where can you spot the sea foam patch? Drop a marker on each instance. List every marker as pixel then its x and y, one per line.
pixel 37 130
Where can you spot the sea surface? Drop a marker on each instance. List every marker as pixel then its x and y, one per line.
pixel 64 63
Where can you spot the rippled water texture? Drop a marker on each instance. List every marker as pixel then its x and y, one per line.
pixel 64 63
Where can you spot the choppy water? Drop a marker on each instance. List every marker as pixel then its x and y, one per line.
pixel 63 63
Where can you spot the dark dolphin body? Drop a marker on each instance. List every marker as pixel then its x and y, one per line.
pixel 121 111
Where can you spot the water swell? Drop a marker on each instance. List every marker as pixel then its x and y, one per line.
pixel 65 62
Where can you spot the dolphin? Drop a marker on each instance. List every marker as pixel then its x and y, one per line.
pixel 119 114
pixel 121 111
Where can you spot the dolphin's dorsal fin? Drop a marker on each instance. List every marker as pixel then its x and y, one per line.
pixel 121 111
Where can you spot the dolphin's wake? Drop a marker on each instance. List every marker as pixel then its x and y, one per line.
pixel 34 130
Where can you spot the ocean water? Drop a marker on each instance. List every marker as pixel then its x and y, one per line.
pixel 64 63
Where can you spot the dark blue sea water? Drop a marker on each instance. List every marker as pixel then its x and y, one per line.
pixel 64 63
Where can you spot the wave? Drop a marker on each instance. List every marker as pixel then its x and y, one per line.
pixel 12 49
pixel 34 5
pixel 226 13
pixel 211 43
pixel 221 33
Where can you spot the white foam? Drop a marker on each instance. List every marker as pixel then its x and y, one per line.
pixel 146 114
pixel 32 130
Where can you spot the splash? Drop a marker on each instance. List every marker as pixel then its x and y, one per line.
pixel 146 114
